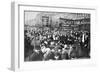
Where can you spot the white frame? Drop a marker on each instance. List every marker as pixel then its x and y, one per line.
pixel 17 54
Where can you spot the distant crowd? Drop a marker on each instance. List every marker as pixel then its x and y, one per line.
pixel 52 44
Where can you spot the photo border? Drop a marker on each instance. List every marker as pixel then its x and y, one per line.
pixel 15 51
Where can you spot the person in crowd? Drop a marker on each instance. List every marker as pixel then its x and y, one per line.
pixel 47 53
pixel 65 54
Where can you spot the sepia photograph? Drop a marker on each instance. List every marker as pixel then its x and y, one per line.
pixel 56 36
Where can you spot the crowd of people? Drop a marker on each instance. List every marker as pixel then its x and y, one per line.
pixel 53 44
